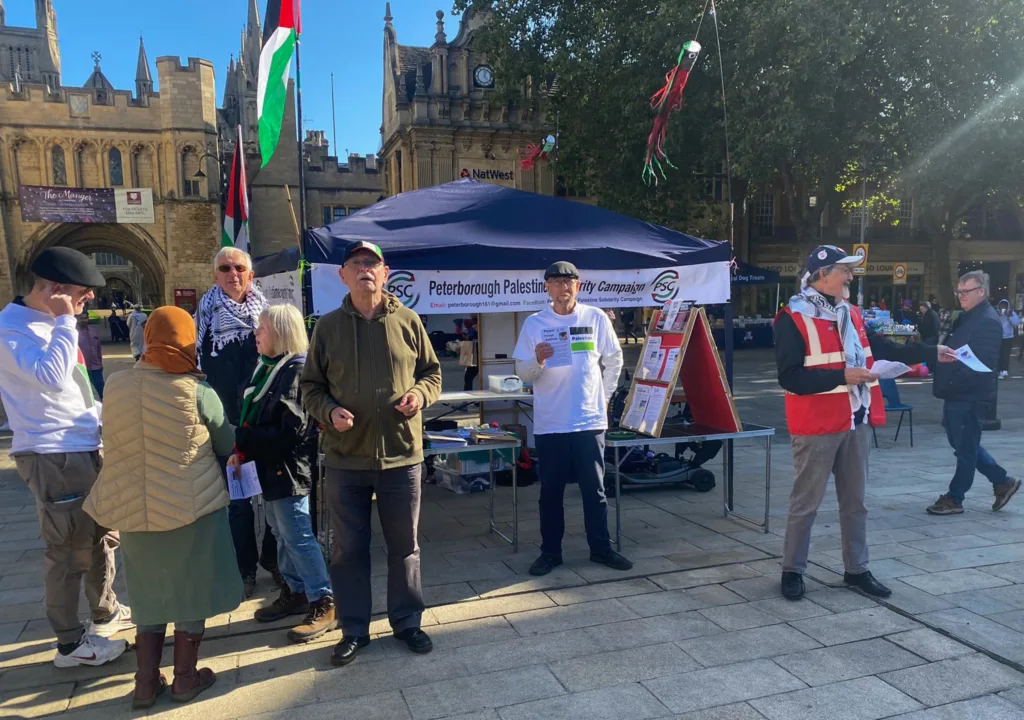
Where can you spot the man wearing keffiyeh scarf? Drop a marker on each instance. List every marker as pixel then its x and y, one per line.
pixel 824 355
pixel 226 348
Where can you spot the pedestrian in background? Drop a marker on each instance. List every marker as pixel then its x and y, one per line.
pixel 371 370
pixel 56 448
pixel 168 500
pixel 92 352
pixel 278 436
pixel 136 324
pixel 469 354
pixel 967 394
pixel 226 321
pixel 1008 320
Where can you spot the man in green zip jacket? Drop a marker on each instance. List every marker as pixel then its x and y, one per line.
pixel 370 371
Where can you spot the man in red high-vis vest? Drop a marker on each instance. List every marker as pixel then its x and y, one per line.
pixel 825 357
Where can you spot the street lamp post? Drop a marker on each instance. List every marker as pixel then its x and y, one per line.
pixel 200 175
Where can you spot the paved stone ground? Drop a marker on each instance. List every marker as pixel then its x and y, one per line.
pixel 697 630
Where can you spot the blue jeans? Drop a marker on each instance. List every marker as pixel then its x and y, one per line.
pixel 298 553
pixel 562 458
pixel 96 376
pixel 962 421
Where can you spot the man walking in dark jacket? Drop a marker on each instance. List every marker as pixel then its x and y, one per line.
pixel 967 393
pixel 929 325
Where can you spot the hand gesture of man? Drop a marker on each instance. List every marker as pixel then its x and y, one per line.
pixel 342 419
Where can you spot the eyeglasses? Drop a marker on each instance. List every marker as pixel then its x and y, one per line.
pixel 228 268
pixel 967 291
pixel 562 280
pixel 369 264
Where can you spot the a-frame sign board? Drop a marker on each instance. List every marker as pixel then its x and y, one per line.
pixel 683 357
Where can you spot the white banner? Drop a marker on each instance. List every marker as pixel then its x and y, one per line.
pixel 282 289
pixel 437 292
pixel 134 205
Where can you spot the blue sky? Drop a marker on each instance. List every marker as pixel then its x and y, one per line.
pixel 341 36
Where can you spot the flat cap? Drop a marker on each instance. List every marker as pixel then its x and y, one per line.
pixel 562 268
pixel 67 267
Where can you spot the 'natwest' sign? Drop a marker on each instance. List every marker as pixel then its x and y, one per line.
pixel 488 175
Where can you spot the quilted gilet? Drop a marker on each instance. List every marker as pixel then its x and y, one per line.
pixel 159 471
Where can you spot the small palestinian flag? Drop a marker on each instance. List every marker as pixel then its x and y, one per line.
pixel 283 25
pixel 236 212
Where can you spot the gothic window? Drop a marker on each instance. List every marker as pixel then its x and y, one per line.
pixel 28 62
pixel 189 167
pixel 116 170
pixel 60 168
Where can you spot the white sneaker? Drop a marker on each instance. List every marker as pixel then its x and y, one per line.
pixel 121 620
pixel 91 651
pixel 1003 375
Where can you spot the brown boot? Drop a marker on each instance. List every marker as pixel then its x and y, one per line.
pixel 319 620
pixel 149 683
pixel 189 681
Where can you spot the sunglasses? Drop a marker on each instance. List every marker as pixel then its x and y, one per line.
pixel 228 268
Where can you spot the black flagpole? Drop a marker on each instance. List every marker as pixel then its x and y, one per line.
pixel 307 284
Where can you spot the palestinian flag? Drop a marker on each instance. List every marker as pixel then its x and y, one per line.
pixel 281 29
pixel 236 212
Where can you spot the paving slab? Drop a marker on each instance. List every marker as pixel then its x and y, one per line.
pixel 704 576
pixel 599 612
pixel 674 601
pixel 386 675
pixel 481 692
pixel 837 600
pixel 739 711
pixel 734 647
pixel 787 610
pixel 847 662
pixel 611 703
pixel 854 625
pixel 914 601
pixel 862 699
pixel 955 679
pixel 382 706
pixel 619 666
pixel 739 617
pixel 476 609
pixel 550 647
pixel 37 702
pixel 985 708
pixel 652 630
pixel 930 645
pixel 980 631
pixel 722 685
pixel 953 581
pixel 603 591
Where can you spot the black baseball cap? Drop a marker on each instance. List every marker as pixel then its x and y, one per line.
pixel 825 255
pixel 359 246
pixel 562 268
pixel 68 267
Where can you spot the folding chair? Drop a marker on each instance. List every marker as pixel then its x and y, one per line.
pixel 892 404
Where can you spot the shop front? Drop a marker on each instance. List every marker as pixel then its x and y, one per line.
pixel 879 284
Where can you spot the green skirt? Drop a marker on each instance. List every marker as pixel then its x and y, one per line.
pixel 182 575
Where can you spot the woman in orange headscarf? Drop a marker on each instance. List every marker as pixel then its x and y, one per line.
pixel 162 487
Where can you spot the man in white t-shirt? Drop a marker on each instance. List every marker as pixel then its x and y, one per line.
pixel 562 350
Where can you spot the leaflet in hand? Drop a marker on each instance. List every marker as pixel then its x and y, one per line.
pixel 889 370
pixel 558 339
pixel 243 482
pixel 967 357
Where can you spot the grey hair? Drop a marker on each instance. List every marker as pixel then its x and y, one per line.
pixel 285 321
pixel 225 251
pixel 979 276
pixel 818 274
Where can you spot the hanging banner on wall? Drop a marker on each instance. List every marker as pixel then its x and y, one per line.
pixel 437 292
pixel 85 205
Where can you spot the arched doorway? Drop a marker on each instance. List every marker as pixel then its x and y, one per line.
pixel 146 279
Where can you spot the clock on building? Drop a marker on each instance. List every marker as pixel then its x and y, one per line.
pixel 484 76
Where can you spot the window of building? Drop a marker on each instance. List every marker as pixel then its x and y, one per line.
pixel 764 215
pixel 857 222
pixel 905 213
pixel 190 186
pixel 716 189
pixel 106 259
pixel 116 169
pixel 333 213
pixel 60 168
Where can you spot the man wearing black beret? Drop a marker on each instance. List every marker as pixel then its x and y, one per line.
pixel 55 419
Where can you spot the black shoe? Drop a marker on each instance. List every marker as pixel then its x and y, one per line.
pixel 417 640
pixel 792 585
pixel 249 586
pixel 278 579
pixel 287 603
pixel 866 582
pixel 346 650
pixel 612 559
pixel 545 564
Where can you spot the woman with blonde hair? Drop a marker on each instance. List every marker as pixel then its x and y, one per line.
pixel 163 488
pixel 279 437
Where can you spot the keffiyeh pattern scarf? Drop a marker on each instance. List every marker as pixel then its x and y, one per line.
pixel 813 304
pixel 227 321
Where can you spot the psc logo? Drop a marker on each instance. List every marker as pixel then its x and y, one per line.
pixel 664 287
pixel 402 284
